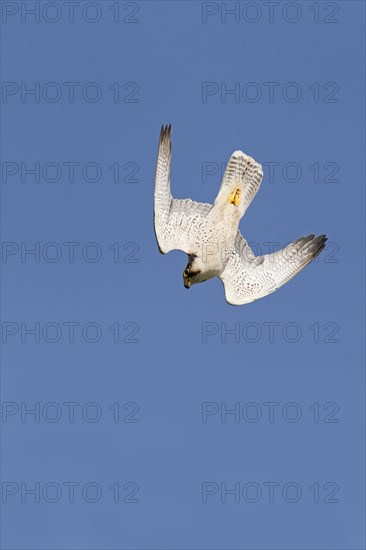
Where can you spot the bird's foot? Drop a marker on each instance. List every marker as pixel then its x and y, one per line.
pixel 235 197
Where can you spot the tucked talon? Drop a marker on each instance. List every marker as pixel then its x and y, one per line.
pixel 235 197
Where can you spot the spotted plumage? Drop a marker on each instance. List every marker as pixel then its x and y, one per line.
pixel 210 236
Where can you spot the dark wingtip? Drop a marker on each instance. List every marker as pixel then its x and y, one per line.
pixel 318 251
pixel 320 241
pixel 165 132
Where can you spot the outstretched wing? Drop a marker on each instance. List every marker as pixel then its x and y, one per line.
pixel 244 173
pixel 176 221
pixel 247 277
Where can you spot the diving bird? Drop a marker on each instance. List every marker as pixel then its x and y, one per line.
pixel 210 234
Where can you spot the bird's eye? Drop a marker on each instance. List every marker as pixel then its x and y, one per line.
pixel 186 272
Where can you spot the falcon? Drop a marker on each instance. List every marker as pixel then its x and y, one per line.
pixel 210 234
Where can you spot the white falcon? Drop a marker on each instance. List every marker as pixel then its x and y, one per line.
pixel 210 236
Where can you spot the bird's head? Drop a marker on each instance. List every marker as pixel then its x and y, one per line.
pixel 193 272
